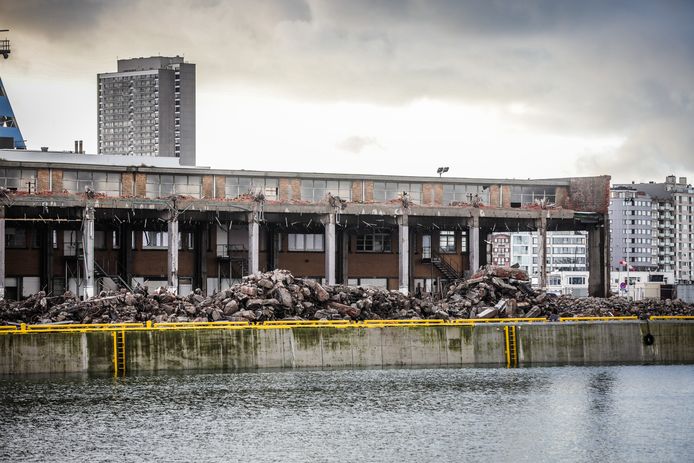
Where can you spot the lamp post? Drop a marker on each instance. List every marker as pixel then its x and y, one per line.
pixel 441 171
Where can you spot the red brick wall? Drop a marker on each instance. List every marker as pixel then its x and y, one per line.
pixel 140 185
pixel 590 194
pixel 207 186
pixel 57 181
pixel 128 182
pixel 220 181
pixel 356 191
pixel 43 180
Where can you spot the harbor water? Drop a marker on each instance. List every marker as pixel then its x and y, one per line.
pixel 611 413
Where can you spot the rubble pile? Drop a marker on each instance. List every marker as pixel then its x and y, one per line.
pixel 493 292
pixel 275 295
pixel 503 292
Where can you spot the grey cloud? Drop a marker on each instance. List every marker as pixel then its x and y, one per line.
pixel 621 68
pixel 356 144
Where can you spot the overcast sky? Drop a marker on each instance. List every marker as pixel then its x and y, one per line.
pixel 489 88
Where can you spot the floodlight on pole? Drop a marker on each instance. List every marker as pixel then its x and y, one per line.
pixel 441 171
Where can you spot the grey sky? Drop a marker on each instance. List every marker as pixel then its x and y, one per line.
pixel 614 81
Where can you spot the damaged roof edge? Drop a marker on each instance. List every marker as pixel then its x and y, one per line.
pixel 169 165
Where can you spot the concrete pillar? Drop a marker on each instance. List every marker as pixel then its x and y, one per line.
pixel 542 250
pixel 88 240
pixel 46 240
pixel 474 243
pixel 172 254
pixel 201 239
pixel 125 253
pixel 598 261
pixel 330 250
pixel 344 257
pixel 253 244
pixel 403 255
pixel 2 252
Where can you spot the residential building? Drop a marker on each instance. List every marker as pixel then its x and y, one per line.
pixel 671 229
pixel 566 259
pixel 147 108
pixel 93 221
pixel 501 249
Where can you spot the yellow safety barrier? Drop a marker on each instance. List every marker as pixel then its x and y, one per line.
pixel 287 324
pixel 200 325
pixel 590 319
pixel 671 317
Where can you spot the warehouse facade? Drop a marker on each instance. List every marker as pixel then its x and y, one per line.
pixel 86 223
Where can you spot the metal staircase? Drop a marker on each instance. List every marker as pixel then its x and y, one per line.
pixel 444 267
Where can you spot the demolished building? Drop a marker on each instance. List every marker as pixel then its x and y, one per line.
pixel 90 222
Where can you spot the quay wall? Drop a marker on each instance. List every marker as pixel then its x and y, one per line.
pixel 159 350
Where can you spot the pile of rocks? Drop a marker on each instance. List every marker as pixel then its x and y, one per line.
pixel 500 292
pixel 493 292
pixel 275 295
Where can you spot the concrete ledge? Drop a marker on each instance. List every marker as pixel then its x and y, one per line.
pixel 564 343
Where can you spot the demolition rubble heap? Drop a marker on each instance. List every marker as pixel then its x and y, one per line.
pixel 493 292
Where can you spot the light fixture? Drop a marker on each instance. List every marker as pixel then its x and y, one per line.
pixel 441 170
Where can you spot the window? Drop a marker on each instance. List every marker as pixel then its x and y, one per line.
pixel 159 186
pixel 239 186
pixel 15 237
pixel 155 239
pixel 18 178
pixel 554 280
pixel 374 242
pixel 108 183
pixel 577 280
pixel 160 240
pixel 521 195
pixel 115 240
pixel 386 191
pixel 447 241
pixel 459 194
pixel 317 190
pixel 305 242
pixel 99 239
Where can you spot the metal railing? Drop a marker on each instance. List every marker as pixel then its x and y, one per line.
pixel 287 324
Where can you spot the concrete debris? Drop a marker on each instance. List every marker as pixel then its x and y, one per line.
pixel 493 292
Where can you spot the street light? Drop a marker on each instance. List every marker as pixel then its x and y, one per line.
pixel 441 171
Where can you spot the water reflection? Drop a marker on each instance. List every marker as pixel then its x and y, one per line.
pixel 349 415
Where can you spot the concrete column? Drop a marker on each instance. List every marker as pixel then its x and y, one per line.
pixel 253 244
pixel 201 244
pixel 598 261
pixel 542 250
pixel 404 255
pixel 344 256
pixel 125 253
pixel 330 250
pixel 172 254
pixel 2 252
pixel 474 243
pixel 46 240
pixel 88 240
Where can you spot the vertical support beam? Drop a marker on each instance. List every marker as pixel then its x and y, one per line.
pixel 2 252
pixel 88 240
pixel 403 255
pixel 201 245
pixel 125 253
pixel 474 244
pixel 271 247
pixel 330 250
pixel 344 261
pixel 542 249
pixel 46 240
pixel 172 253
pixel 598 263
pixel 253 243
